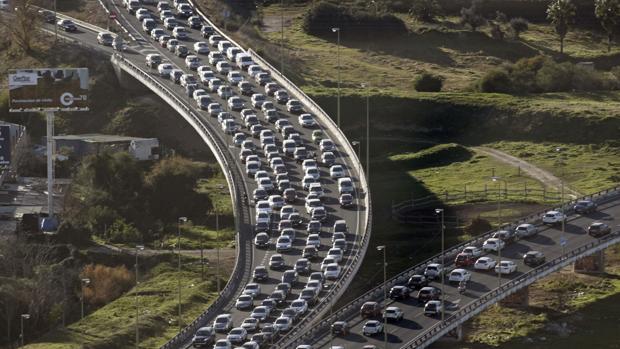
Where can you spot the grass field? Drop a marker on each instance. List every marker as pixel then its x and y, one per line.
pixel 113 326
pixel 588 168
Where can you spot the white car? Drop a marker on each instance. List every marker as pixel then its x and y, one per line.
pixel 393 313
pixel 372 327
pixel 485 263
pixel 263 205
pixel 254 69
pixel 244 301
pixel 224 92
pixel 206 76
pixel 223 45
pixel 237 335
pixel 276 202
pixel 215 57
pixel 234 77
pixel 199 93
pixel 313 172
pixel 312 204
pixel 214 108
pixel 223 323
pixel 232 53
pixel 157 33
pixel 472 250
pixel 336 171
pixel 283 323
pixel 554 217
pixel 336 254
pixel 433 270
pixel 281 96
pixel 332 271
pixel 252 289
pixel 214 39
pixel 433 308
pixel 258 99
pixel 283 243
pixel 300 305
pixel 294 106
pixel 313 240
pixel 202 48
pixel 170 23
pixel 525 230
pixel 326 144
pixel 179 33
pixel 142 14
pixel 458 275
pixel 265 183
pixel 506 267
pixel 164 69
pixel 306 120
pixel 493 244
pixel 222 344
pixel 262 217
pixel 316 188
pixel 250 324
pixel 261 313
pixel 309 163
pixel 222 67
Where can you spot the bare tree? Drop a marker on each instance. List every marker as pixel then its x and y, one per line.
pixel 22 24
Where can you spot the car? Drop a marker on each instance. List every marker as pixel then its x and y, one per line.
pixel 340 328
pixel 433 308
pixel 300 305
pixel 215 57
pixel 464 260
pixel 283 323
pixel 153 60
pixel 525 230
pixel 156 33
pixel 223 45
pixel 332 271
pixel 222 67
pixel 276 261
pixel 194 22
pixel 204 337
pixel 258 99
pixel 313 240
pixel 260 273
pixel 163 40
pixel 534 258
pixel 202 48
pixel 179 33
pixel 261 339
pixel 223 323
pixel 234 77
pixel 234 102
pixel 48 16
pixel 165 14
pixel 283 243
pixel 184 10
pixel 314 227
pixel 310 252
pixel 585 206
pixel 261 313
pixel 294 106
pixel 506 267
pixel 181 51
pixel 215 84
pixel 270 331
pixel 164 69
pixel 428 293
pixel 345 185
pixel 281 96
pixel 506 236
pixel 142 14
pixel 105 39
pixel 290 277
pixel 284 287
pixel 472 250
pixel 279 297
pixel 244 301
pixel 263 78
pixel 553 217
pixel 370 309
pixel 458 275
pixel 372 327
pixel 250 324
pixel 393 313
pixel 203 102
pixel 175 75
pixel 290 313
pixel 312 204
pixel 345 200
pixel 192 62
pixel 328 158
pixel 261 239
pixel 266 183
pixel 270 87
pixel 306 120
pixel 252 289
pixel 315 284
pixel 172 44
pixel 598 229
pixel 399 292
pixel 262 205
pixel 485 263
pixel 337 171
pixel 326 144
pixel 206 31
pixel 417 281
pixel 493 244
pixel 214 39
pixel 313 172
pixel 170 23
pixel 433 271
pixel 336 254
pixel 232 53
pixel 222 344
pixel 148 24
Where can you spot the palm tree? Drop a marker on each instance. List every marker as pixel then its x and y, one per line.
pixel 561 13
pixel 608 12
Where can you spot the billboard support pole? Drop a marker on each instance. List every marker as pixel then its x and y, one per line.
pixel 50 163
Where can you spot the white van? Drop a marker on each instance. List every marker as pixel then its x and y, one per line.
pixel 345 185
pixel 244 60
pixel 4 4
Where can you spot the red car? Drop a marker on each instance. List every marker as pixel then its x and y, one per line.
pixel 464 260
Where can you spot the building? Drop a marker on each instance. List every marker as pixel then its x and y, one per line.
pixel 90 144
pixel 11 143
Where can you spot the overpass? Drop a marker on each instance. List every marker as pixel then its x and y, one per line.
pixel 418 331
pixel 130 67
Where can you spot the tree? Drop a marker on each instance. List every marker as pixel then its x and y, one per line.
pixel 470 16
pixel 24 26
pixel 501 17
pixel 425 10
pixel 518 25
pixel 561 13
pixel 496 31
pixel 608 13
pixel 427 82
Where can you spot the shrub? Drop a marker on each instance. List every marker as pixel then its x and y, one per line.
pixel 427 82
pixel 496 32
pixel 478 226
pixel 425 10
pixel 106 283
pixel 496 80
pixel 518 26
pixel 71 233
pixel 471 17
pixel 122 232
pixel 501 17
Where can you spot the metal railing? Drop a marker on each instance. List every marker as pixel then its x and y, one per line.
pixel 205 132
pixel 477 306
pixel 352 308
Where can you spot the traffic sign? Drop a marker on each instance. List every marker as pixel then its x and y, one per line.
pixel 563 241
pixel 112 15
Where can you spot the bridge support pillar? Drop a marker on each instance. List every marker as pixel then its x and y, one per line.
pixel 518 299
pixel 127 81
pixel 455 335
pixel 591 264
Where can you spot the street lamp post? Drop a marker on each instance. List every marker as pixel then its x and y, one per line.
pixel 85 282
pixel 561 163
pixel 22 318
pixel 499 224
pixel 385 301
pixel 179 221
pixel 366 86
pixel 217 232
pixel 337 30
pixel 443 294
pixel 282 37
pixel 138 249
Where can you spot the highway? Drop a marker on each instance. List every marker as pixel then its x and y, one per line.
pixel 415 322
pixel 355 216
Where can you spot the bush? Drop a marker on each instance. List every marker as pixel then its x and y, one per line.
pixel 122 232
pixel 478 226
pixel 325 15
pixel 471 17
pixel 496 80
pixel 496 31
pixel 518 26
pixel 427 82
pixel 106 283
pixel 71 233
pixel 425 10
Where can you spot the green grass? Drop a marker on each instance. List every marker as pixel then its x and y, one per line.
pixel 112 326
pixel 217 189
pixel 587 168
pixel 195 237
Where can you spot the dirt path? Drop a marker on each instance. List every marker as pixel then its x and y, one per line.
pixel 546 177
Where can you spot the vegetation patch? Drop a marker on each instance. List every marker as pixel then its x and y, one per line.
pixel 436 156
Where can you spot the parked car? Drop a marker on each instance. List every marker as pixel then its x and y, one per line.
pixel 598 229
pixel 534 258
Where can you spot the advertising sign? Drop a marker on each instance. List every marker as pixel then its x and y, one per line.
pixel 48 89
pixel 5 145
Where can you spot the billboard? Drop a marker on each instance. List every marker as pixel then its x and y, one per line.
pixel 5 145
pixel 48 89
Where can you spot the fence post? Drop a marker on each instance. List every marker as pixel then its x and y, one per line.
pixel 544 194
pixel 525 189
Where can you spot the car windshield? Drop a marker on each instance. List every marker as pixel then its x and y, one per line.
pixel 221 320
pixel 203 333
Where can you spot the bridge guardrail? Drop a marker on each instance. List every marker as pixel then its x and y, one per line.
pixel 353 307
pixel 236 277
pixel 470 310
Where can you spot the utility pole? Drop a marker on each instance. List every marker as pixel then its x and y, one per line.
pixel 337 31
pixel 138 249
pixel 385 301
pixel 443 293
pixel 179 221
